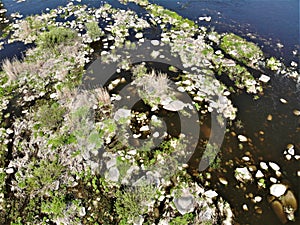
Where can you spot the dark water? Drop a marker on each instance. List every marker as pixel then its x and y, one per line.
pixel 267 23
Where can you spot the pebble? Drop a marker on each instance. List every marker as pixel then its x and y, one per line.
pixel 259 174
pixel 274 166
pixel 291 151
pixel 9 170
pixel 288 157
pixel 283 101
pixel 263 165
pixel 264 78
pixel 273 180
pixel 269 117
pixel 245 207
pixel 296 112
pixel 246 158
pixel 139 35
pixel 155 42
pixel 155 134
pixel 223 181
pixel 132 152
pixel 210 194
pixel 257 198
pixel 242 138
pixel 294 64
pixel 82 212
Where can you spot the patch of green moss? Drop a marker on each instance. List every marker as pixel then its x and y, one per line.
pixel 240 49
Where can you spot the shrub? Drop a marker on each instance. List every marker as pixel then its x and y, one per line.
pixel 93 30
pixel 134 201
pixel 50 117
pixel 56 36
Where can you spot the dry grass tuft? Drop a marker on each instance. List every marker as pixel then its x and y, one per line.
pixel 102 95
pixel 12 68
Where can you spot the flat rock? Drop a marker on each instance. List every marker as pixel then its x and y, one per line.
pixel 277 190
pixel 264 78
pixel 174 106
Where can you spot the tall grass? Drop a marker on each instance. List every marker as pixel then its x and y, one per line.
pixel 12 68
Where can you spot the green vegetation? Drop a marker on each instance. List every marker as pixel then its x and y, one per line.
pixel 55 37
pixel 134 201
pixel 93 30
pixel 50 116
pixel 240 49
pixel 58 141
pixel 186 219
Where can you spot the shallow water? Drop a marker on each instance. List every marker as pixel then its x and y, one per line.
pixel 268 22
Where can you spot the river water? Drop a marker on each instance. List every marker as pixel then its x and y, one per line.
pixel 274 26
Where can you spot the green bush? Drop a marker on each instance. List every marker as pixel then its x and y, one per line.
pixel 93 30
pixel 50 116
pixel 133 201
pixel 56 36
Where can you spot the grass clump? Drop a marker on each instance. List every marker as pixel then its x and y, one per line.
pixel 56 36
pixel 50 116
pixel 93 30
pixel 133 202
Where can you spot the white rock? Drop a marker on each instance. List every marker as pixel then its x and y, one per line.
pixel 132 152
pixel 223 181
pixel 296 112
pixel 144 128
pixel 264 78
pixel 210 194
pixel 294 64
pixel 122 113
pixel 274 166
pixel 273 180
pixel 263 165
pixel 82 212
pixel 246 158
pixel 288 157
pixel 112 162
pixel 156 134
pixel 185 203
pixel 9 170
pixel 291 151
pixel 139 35
pixel 242 138
pixel 155 42
pixel 174 106
pixel 277 190
pixel 136 135
pixel 243 174
pixel 283 101
pixel 257 198
pixel 154 54
pixel 245 207
pixel 53 95
pixel 259 174
pixel 181 89
pixel 113 174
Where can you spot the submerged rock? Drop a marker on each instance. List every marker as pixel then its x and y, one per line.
pixel 185 203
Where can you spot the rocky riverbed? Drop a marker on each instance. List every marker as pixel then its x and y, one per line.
pixel 115 117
